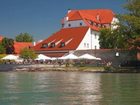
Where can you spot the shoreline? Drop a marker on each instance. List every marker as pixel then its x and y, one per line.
pixel 45 68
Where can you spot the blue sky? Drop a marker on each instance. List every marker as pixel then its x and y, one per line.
pixel 41 18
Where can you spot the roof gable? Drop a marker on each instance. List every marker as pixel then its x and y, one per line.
pixel 76 16
pixel 105 15
pixel 98 16
pixel 70 36
pixel 21 45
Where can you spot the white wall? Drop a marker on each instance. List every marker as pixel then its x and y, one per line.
pixel 90 40
pixel 114 22
pixel 75 23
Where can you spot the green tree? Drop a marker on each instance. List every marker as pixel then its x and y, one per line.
pixel 131 20
pixel 8 44
pixel 24 37
pixel 27 53
pixel 105 38
pixel 2 49
pixel 128 28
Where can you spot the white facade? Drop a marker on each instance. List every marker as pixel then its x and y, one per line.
pixel 114 23
pixel 76 23
pixel 91 38
pixel 90 41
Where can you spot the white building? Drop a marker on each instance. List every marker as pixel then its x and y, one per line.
pixel 80 31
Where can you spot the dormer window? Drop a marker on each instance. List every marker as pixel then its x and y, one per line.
pixel 52 45
pixel 99 25
pixel 44 45
pixel 69 25
pixel 91 23
pixel 62 44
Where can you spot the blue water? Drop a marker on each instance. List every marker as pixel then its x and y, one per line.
pixel 69 88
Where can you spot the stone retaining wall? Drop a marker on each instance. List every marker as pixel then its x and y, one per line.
pixel 108 55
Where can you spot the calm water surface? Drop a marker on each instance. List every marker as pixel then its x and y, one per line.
pixel 69 88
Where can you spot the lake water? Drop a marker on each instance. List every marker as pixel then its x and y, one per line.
pixel 69 88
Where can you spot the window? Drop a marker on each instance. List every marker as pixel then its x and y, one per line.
pixel 84 44
pixel 80 24
pixel 52 45
pixel 95 47
pixel 87 45
pixel 91 23
pixel 91 32
pixel 102 25
pixel 69 25
pixel 63 25
pixel 95 36
pixel 97 24
pixel 62 44
pixel 44 45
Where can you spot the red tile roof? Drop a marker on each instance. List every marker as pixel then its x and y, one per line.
pixel 71 36
pixel 21 45
pixel 102 16
pixel 1 38
pixel 105 15
pixel 55 54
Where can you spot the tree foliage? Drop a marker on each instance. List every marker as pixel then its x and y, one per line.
pixel 128 30
pixel 8 44
pixel 132 19
pixel 2 49
pixel 24 37
pixel 27 53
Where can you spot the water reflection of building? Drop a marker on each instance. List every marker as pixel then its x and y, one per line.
pixel 90 89
pixel 75 88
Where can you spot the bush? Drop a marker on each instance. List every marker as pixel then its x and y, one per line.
pixel 2 55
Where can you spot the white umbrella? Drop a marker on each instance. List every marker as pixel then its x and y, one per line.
pixel 11 57
pixel 88 56
pixel 53 58
pixel 42 57
pixel 98 58
pixel 69 56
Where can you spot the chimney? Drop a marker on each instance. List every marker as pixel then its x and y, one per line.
pixel 69 10
pixel 98 17
pixel 67 18
pixel 34 43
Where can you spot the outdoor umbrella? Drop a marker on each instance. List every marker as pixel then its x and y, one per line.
pixel 88 56
pixel 42 57
pixel 11 57
pixel 69 56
